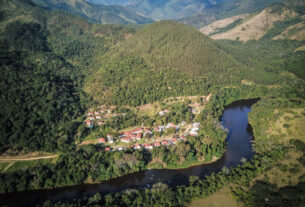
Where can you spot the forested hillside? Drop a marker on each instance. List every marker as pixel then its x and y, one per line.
pixel 44 59
pixel 171 45
pixel 96 13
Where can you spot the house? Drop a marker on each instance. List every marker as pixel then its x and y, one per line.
pixel 162 113
pixel 126 140
pixel 107 149
pixel 119 148
pixel 100 123
pixel 148 146
pixel 171 125
pixel 157 144
pixel 193 133
pixel 164 142
pixel 174 140
pixel 98 117
pixel 139 136
pixel 96 113
pixel 89 123
pixel 157 129
pixel 91 117
pixel 101 140
pixel 136 131
pixel 89 114
pixel 137 146
pixel 102 111
pixel 183 123
pixel 109 136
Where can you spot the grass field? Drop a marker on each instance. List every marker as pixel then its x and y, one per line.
pixel 290 124
pixel 286 173
pixel 221 198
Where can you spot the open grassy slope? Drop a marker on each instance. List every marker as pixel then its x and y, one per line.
pixel 282 20
pixel 226 9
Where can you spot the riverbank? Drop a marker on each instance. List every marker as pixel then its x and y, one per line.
pixel 235 118
pixel 185 165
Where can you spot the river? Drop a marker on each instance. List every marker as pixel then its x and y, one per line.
pixel 235 118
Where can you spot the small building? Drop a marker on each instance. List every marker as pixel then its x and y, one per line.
pixel 137 146
pixel 157 144
pixel 164 142
pixel 119 148
pixel 174 140
pixel 126 140
pixel 89 114
pixel 101 140
pixel 91 117
pixel 96 113
pixel 193 133
pixel 98 117
pixel 148 146
pixel 139 136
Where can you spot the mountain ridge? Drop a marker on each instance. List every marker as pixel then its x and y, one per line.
pixel 109 14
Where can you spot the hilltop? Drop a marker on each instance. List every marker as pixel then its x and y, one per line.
pixel 173 45
pixel 96 13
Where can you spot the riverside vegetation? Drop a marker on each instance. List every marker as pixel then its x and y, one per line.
pixel 53 71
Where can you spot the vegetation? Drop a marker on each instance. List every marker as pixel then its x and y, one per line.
pixel 171 45
pixel 226 9
pixel 54 66
pixel 96 13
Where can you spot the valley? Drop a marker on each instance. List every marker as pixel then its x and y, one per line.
pixel 104 105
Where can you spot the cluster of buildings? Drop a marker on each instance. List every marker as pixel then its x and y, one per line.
pixel 95 117
pixel 150 146
pixel 162 113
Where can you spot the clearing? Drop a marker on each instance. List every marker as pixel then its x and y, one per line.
pixel 219 199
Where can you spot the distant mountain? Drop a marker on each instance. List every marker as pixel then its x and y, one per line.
pixel 225 9
pixel 96 13
pixel 163 9
pixel 282 20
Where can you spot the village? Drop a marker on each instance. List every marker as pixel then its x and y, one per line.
pixel 140 137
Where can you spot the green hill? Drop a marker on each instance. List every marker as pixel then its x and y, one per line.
pixel 172 45
pixel 96 13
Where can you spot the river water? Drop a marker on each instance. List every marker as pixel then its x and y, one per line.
pixel 235 118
